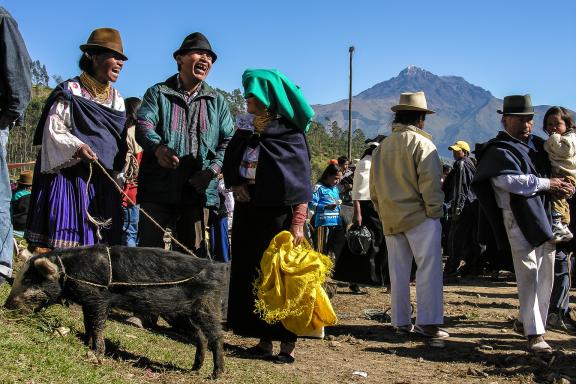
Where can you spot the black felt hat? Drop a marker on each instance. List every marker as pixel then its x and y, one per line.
pixel 517 105
pixel 196 41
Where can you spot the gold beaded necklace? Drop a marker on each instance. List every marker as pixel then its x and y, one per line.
pixel 262 121
pixel 99 91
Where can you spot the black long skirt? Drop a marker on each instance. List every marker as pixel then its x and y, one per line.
pixel 252 230
pixel 369 269
pixel 463 242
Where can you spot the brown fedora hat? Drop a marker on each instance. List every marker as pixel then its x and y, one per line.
pixel 517 105
pixel 25 178
pixel 108 38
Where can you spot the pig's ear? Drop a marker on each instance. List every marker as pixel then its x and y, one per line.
pixel 46 267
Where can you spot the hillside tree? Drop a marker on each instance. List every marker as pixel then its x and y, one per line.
pixel 39 73
pixel 235 101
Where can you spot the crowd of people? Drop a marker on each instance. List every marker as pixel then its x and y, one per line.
pixel 179 156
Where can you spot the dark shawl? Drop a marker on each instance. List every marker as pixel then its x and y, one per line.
pixel 505 155
pixel 283 171
pixel 458 185
pixel 100 127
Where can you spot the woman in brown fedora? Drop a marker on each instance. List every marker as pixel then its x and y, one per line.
pixel 82 122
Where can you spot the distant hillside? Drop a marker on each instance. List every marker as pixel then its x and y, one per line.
pixel 463 111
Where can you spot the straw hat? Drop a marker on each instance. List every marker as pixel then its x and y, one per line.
pixel 412 101
pixel 108 38
pixel 25 178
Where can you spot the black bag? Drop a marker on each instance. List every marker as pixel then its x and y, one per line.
pixel 359 240
pixel 362 261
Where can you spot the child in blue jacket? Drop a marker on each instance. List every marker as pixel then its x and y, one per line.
pixel 326 206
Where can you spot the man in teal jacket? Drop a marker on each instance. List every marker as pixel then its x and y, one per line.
pixel 184 126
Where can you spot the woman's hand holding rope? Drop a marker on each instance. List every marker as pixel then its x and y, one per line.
pixel 86 153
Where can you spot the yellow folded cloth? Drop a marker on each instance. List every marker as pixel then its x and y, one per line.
pixel 289 288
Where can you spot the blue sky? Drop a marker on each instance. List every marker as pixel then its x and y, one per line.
pixel 506 47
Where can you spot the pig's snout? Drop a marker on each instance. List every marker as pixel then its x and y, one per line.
pixel 10 304
pixel 28 301
pixel 13 303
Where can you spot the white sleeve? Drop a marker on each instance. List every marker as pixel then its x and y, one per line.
pixel 360 184
pixel 58 143
pixel 524 185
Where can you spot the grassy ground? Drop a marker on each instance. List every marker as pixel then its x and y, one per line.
pixel 33 350
pixel 482 348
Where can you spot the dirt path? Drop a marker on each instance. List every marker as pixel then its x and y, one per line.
pixel 482 347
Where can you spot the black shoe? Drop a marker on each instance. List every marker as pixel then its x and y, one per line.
pixel 356 289
pixel 258 351
pixel 283 358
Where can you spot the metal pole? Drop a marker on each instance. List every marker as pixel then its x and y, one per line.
pixel 351 51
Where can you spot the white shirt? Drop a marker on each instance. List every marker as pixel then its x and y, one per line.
pixel 523 185
pixel 361 183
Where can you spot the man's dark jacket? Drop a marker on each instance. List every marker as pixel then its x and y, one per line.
pixel 157 124
pixel 20 210
pixel 505 155
pixel 15 84
pixel 457 185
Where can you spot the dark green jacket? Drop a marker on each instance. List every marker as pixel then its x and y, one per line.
pixel 156 125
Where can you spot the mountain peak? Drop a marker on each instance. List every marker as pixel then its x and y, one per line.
pixel 413 70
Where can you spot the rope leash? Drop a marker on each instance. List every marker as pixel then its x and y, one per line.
pixel 119 189
pixel 98 223
pixel 116 283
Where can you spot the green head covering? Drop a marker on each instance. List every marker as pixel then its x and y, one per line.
pixel 279 95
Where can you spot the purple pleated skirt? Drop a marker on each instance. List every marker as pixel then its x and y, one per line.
pixel 57 217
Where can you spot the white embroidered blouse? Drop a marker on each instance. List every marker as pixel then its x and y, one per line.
pixel 59 145
pixel 250 158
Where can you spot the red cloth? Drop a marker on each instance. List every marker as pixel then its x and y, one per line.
pixel 131 190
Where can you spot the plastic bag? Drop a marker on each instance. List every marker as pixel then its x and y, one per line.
pixel 289 288
pixel 359 240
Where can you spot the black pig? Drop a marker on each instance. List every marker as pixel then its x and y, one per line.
pixel 94 278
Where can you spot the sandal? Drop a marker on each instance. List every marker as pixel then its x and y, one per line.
pixel 283 358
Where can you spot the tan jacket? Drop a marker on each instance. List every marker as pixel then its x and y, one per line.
pixel 405 179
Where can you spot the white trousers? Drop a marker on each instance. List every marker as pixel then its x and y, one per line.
pixel 421 243
pixel 534 268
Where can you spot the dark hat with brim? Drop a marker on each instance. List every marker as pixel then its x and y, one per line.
pixel 517 105
pixel 107 38
pixel 196 42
